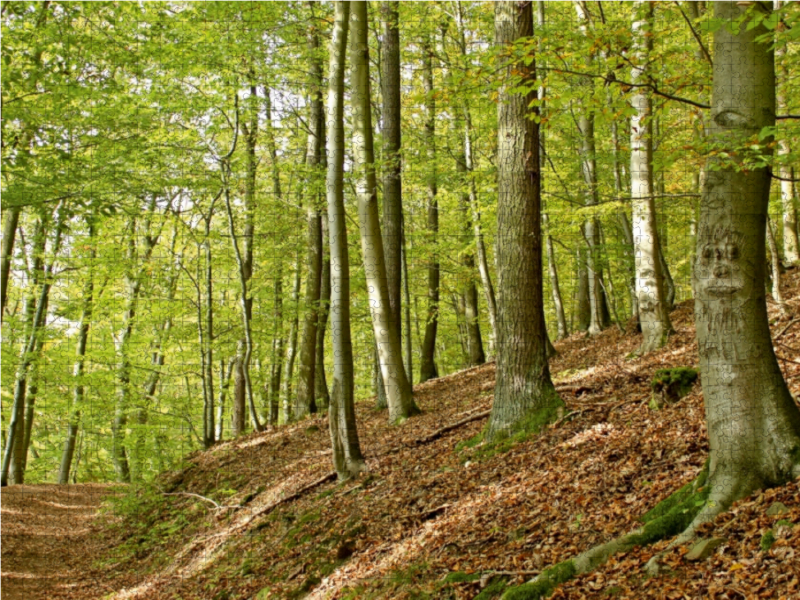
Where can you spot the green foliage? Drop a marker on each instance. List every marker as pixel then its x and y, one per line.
pixel 461 577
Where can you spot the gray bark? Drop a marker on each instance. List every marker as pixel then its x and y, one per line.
pixel 398 389
pixel 589 169
pixel 291 348
pixel 753 422
pixel 347 458
pixel 524 389
pixel 321 393
pixel 653 310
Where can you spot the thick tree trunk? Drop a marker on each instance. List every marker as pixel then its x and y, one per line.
pixel 306 376
pixel 653 312
pixel 78 370
pixel 428 369
pixel 347 458
pixel 753 422
pixel 6 252
pixel 398 389
pixel 524 393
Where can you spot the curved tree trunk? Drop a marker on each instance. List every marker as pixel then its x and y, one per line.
pixel 524 392
pixel 398 389
pixel 347 458
pixel 6 253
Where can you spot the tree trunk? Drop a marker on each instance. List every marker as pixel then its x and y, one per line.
pixel 306 376
pixel 653 312
pixel 387 338
pixel 469 292
pixel 7 253
pixel 321 393
pixel 428 369
pixel 225 373
pixel 480 245
pixel 408 345
pixel 291 349
pixel 561 319
pixel 791 242
pixel 78 370
pixel 524 394
pixel 753 422
pixel 347 458
pixel 582 307
pixel 589 169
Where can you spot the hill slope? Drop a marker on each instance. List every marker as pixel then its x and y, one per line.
pixel 263 517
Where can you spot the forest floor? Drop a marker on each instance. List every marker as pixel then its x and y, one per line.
pixel 435 516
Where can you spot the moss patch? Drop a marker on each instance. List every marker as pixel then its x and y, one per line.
pixel 670 385
pixel 544 584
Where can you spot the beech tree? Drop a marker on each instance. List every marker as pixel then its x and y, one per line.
pixel 524 394
pixel 387 336
pixel 347 458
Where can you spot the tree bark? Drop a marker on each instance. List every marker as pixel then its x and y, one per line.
pixel 321 393
pixel 561 319
pixel 347 458
pixel 480 245
pixel 78 370
pixel 653 311
pixel 291 348
pixel 306 376
pixel 428 369
pixel 753 422
pixel 589 169
pixel 791 242
pixel 6 253
pixel 524 392
pixel 398 389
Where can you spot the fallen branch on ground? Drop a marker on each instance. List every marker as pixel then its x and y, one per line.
pixel 438 433
pixel 216 506
pixel 296 494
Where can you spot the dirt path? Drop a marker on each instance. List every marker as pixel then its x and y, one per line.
pixel 48 543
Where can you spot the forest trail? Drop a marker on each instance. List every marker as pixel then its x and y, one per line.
pixel 48 540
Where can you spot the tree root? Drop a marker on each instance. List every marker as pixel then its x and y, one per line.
pixel 680 513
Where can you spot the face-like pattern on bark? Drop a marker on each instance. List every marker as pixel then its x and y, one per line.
pixel 647 287
pixel 723 287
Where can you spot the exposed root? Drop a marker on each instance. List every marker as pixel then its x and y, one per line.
pixel 682 511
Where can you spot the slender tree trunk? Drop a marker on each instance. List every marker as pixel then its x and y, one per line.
pixel 428 369
pixel 225 373
pixel 306 379
pixel 321 393
pixel 524 393
pixel 347 458
pixel 791 242
pixel 408 347
pixel 775 264
pixel 278 341
pixel 589 169
pixel 210 435
pixel 582 307
pixel 291 349
pixel 480 245
pixel 561 319
pixel 653 312
pixel 398 388
pixel 78 370
pixel 469 292
pixel 7 252
pixel 753 422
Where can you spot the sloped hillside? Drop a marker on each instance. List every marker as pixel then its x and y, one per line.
pixel 439 516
